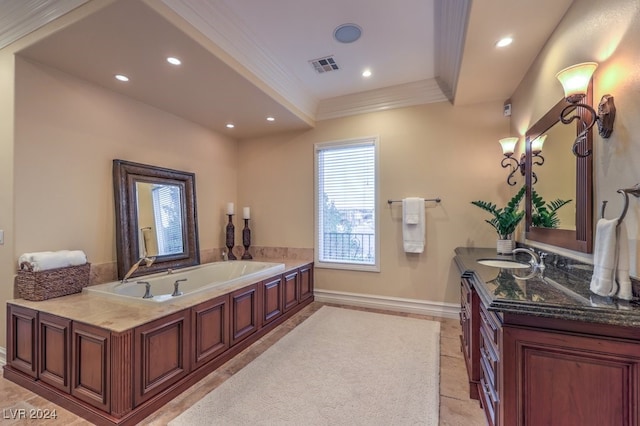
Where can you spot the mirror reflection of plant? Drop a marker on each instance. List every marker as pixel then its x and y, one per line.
pixel 543 214
pixel 507 286
pixel 506 219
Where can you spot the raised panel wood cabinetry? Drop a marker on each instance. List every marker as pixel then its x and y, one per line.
pixel 91 365
pixel 121 377
pixel 244 313
pixel 543 371
pixel 22 338
pixel 272 299
pixel 54 346
pixel 469 318
pixel 210 329
pixel 161 354
pixel 291 290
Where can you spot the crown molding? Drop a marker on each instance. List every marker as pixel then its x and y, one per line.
pixel 220 25
pixel 21 17
pixel 403 95
pixel 451 17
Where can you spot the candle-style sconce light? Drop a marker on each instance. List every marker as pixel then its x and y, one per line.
pixel 575 82
pixel 508 149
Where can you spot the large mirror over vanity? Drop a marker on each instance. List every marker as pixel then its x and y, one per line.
pixel 562 176
pixel 155 217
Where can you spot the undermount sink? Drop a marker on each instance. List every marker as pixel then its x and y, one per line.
pixel 503 263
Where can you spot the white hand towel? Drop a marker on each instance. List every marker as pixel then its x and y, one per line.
pixel 604 258
pixel 45 260
pixel 622 271
pixel 611 260
pixel 411 208
pixel 413 227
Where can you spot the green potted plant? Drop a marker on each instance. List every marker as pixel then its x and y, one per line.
pixel 504 220
pixel 543 214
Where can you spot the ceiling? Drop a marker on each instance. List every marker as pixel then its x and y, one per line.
pixel 244 60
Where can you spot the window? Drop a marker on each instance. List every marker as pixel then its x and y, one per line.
pixel 168 218
pixel 346 205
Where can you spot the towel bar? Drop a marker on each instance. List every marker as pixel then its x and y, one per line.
pixel 437 200
pixel 635 191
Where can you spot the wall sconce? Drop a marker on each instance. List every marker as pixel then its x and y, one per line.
pixel 575 81
pixel 508 148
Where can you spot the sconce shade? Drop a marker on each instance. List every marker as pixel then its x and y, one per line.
pixel 536 145
pixel 508 145
pixel 575 80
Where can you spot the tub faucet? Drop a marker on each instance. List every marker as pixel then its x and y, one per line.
pixel 148 261
pixel 176 291
pixel 147 289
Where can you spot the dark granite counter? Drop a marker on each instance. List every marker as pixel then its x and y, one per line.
pixel 562 293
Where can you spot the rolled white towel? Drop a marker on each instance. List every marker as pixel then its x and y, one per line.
pixel 44 260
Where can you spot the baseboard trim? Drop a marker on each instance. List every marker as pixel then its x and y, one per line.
pixel 3 356
pixel 414 306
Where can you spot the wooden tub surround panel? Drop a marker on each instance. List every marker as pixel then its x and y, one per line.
pixel 119 377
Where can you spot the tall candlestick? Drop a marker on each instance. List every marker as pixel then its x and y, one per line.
pixel 246 238
pixel 230 238
pixel 246 213
pixel 230 209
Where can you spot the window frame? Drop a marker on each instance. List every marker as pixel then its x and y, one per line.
pixel 367 140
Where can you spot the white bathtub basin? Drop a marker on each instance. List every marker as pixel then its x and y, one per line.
pixel 198 279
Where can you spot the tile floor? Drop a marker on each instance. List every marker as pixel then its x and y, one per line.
pixel 455 406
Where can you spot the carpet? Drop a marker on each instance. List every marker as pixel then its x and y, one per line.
pixel 339 367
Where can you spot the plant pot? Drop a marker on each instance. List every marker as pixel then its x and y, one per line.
pixel 506 246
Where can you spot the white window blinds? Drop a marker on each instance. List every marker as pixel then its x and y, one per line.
pixel 168 218
pixel 346 216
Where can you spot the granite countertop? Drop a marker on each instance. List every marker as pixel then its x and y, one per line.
pixel 563 293
pixel 118 315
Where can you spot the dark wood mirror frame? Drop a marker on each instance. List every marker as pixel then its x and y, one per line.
pixel 125 176
pixel 582 238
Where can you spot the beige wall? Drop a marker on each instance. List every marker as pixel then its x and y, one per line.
pixel 426 151
pixel 608 33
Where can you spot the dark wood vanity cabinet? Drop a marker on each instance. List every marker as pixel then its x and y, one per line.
pixel 469 318
pixel 272 299
pixel 306 282
pixel 291 290
pixel 244 313
pixel 54 347
pixel 22 338
pixel 91 365
pixel 546 371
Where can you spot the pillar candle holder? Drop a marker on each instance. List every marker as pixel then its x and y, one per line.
pixel 246 240
pixel 231 230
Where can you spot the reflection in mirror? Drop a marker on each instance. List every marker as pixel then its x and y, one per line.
pixel 155 217
pixel 159 219
pixel 563 176
pixel 556 179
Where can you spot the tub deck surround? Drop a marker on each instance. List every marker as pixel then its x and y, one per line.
pixel 117 315
pixel 563 294
pixel 114 361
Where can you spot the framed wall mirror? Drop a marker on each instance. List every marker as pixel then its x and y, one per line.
pixel 562 176
pixel 155 217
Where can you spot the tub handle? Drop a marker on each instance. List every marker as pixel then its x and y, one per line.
pixel 147 289
pixel 176 291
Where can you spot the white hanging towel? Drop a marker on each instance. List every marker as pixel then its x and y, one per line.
pixel 611 260
pixel 413 225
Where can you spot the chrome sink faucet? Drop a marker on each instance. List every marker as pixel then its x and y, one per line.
pixel 536 261
pixel 148 261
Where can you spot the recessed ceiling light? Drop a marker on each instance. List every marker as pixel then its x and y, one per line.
pixel 174 61
pixel 230 126
pixel 504 42
pixel 366 73
pixel 347 33
pixel 121 77
pixel 271 119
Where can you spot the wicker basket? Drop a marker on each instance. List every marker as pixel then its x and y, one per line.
pixel 43 285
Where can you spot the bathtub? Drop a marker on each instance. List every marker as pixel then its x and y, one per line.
pixel 199 279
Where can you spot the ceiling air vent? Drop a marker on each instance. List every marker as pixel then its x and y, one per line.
pixel 325 64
